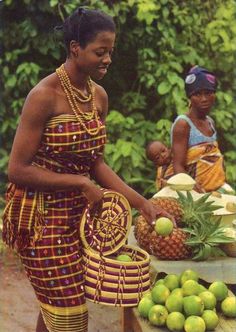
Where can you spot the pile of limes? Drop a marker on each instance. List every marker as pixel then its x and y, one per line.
pixel 182 303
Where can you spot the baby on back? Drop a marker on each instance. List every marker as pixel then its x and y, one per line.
pixel 158 153
pixel 161 157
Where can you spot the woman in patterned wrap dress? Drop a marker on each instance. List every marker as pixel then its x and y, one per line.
pixel 57 156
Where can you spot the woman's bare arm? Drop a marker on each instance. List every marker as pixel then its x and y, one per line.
pixel 180 145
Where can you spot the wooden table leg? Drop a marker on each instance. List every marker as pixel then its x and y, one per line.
pixel 129 322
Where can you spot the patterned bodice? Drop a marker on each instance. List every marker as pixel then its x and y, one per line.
pixel 67 148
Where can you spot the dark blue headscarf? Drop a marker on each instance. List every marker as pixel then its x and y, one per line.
pixel 199 78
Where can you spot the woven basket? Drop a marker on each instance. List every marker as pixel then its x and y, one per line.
pixel 111 282
pixel 105 230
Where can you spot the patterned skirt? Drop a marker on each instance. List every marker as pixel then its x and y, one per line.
pixel 54 264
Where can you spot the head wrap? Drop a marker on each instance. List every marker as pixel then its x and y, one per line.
pixel 199 78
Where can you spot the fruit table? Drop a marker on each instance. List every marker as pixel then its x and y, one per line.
pixel 132 322
pixel 222 268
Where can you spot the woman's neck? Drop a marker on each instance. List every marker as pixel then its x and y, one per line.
pixel 77 79
pixel 195 114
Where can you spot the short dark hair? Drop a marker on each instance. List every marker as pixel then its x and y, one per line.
pixel 84 24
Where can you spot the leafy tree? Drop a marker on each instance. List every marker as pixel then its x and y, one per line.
pixel 157 43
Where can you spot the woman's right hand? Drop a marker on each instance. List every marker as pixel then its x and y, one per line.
pixel 151 212
pixel 93 193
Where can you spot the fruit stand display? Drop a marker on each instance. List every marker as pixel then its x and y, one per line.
pixel 141 325
pixel 183 302
pixel 196 243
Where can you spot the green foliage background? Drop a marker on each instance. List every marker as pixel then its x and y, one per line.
pixel 157 42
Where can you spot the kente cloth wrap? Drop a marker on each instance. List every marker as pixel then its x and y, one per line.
pixel 204 163
pixel 44 226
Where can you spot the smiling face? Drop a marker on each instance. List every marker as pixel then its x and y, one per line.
pixel 158 153
pixel 202 101
pixel 95 58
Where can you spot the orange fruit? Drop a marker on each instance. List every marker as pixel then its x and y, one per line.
pixel 190 287
pixel 219 289
pixel 177 291
pixel 160 294
pixel 163 226
pixel 171 281
pixel 193 305
pixel 201 288
pixel 175 321
pixel 159 281
pixel 208 299
pixel 174 303
pixel 144 306
pixel 194 324
pixel 157 315
pixel 211 319
pixel 188 275
pixel 228 306
pixel 124 258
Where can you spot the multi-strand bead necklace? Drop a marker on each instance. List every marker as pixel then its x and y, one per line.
pixel 76 96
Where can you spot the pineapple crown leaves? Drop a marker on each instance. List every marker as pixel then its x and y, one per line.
pixel 206 251
pixel 205 237
pixel 200 208
pixel 210 232
pixel 204 229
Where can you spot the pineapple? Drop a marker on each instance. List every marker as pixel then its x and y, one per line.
pixel 200 238
pixel 170 205
pixel 142 233
pixel 169 247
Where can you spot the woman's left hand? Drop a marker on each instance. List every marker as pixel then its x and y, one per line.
pixel 152 212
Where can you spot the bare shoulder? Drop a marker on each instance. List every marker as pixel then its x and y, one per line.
pixel 41 98
pixel 181 126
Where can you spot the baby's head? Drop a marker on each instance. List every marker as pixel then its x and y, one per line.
pixel 158 153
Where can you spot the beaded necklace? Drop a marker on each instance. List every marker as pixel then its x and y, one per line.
pixel 75 96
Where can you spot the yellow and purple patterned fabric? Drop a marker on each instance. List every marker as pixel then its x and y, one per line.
pixel 44 226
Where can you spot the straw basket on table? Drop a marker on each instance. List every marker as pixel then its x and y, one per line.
pixel 107 280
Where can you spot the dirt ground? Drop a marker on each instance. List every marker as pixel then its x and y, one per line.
pixel 19 308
